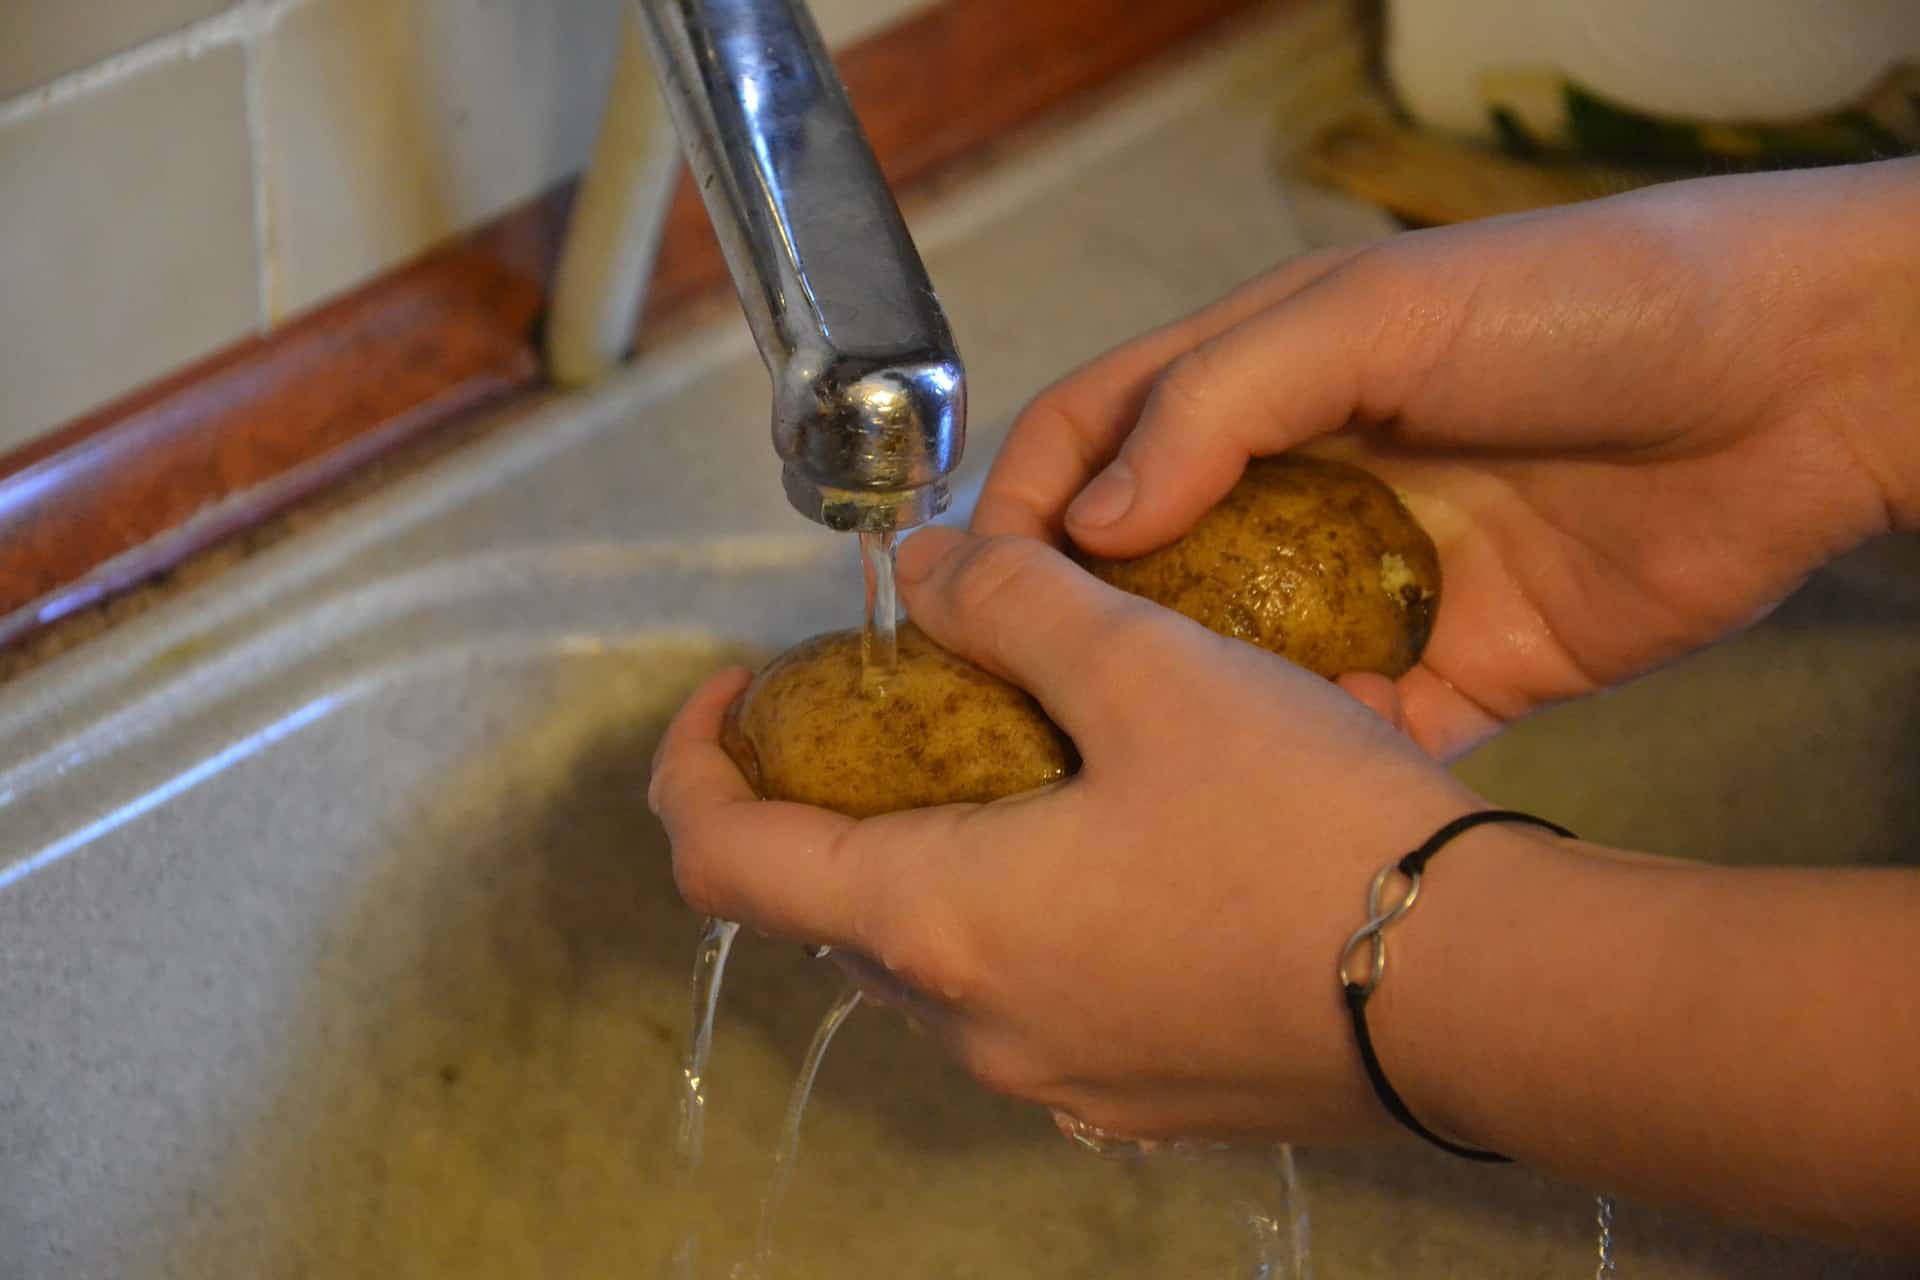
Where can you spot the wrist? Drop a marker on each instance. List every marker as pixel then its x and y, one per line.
pixel 1443 1019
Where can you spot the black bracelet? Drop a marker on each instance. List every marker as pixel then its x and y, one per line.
pixel 1372 933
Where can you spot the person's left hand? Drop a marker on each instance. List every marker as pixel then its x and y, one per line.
pixel 1632 426
pixel 1149 946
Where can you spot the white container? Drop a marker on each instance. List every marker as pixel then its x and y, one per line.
pixel 1706 60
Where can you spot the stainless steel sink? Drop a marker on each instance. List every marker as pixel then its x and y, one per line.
pixel 335 938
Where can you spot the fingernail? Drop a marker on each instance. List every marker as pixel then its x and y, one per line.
pixel 653 783
pixel 1105 500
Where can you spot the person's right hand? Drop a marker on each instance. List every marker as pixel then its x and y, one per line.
pixel 1631 426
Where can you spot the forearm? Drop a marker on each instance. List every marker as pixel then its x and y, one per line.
pixel 1744 1041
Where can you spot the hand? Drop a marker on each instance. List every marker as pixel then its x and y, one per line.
pixel 1149 946
pixel 1632 426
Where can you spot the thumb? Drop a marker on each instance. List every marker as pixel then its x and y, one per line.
pixel 1028 614
pixel 1286 376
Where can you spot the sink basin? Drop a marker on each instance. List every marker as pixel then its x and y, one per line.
pixel 375 968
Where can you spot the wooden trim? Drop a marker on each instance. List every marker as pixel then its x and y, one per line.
pixel 130 490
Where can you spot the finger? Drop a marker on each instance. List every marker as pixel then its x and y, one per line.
pixel 1378 694
pixel 735 856
pixel 1445 722
pixel 876 986
pixel 699 719
pixel 1028 614
pixel 924 1011
pixel 1073 428
pixel 993 1058
pixel 886 887
pixel 1294 372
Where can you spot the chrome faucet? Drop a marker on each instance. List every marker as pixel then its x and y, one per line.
pixel 869 397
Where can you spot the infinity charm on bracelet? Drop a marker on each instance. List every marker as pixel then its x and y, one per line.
pixel 1374 930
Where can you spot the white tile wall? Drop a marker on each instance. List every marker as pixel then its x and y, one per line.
pixel 392 125
pixel 164 189
pixel 126 239
pixel 44 39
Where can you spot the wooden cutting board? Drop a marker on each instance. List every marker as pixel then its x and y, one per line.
pixel 1431 180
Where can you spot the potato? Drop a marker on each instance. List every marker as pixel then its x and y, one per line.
pixel 1315 560
pixel 937 730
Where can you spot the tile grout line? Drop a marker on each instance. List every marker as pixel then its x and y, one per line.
pixel 242 23
pixel 266 254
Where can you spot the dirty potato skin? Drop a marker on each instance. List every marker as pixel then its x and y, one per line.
pixel 938 731
pixel 1312 559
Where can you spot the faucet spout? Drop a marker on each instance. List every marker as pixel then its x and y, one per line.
pixel 869 395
